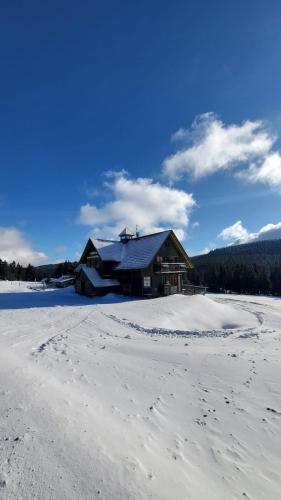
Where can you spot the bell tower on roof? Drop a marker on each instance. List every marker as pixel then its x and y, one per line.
pixel 126 235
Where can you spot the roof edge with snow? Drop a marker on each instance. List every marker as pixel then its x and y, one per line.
pixel 95 278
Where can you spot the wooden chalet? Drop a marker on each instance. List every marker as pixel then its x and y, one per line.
pixel 147 266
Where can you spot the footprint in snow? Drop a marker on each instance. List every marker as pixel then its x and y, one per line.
pixel 272 410
pixel 3 480
pixel 200 422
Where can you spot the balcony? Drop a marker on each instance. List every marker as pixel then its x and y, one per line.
pixel 170 267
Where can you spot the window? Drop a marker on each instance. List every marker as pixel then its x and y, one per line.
pixel 147 282
pixel 159 258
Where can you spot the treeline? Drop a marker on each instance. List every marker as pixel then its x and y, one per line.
pixel 16 272
pixel 264 254
pixel 239 278
pixel 253 268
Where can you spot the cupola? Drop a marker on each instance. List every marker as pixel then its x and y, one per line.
pixel 126 235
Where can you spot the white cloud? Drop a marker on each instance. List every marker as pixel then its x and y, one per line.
pixel 205 250
pixel 211 146
pixel 149 205
pixel 181 135
pixel 15 247
pixel 268 171
pixel 77 255
pixel 269 232
pixel 236 233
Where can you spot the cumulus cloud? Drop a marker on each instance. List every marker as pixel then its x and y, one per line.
pixel 15 247
pixel 149 205
pixel 270 232
pixel 210 146
pixel 237 233
pixel 206 250
pixel 268 171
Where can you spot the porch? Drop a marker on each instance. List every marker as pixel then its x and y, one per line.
pixel 170 289
pixel 193 289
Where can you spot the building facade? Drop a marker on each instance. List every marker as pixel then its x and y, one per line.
pixel 148 266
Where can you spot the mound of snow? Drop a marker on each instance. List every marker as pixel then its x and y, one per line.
pixel 180 312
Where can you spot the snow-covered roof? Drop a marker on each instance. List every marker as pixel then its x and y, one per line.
pixel 109 250
pixel 100 244
pixel 62 279
pixel 77 268
pixel 136 253
pixel 139 252
pixel 96 280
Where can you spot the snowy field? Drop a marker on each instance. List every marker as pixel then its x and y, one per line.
pixel 177 398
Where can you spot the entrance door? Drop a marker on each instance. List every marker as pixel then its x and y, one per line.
pixel 82 287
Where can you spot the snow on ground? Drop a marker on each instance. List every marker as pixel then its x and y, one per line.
pixel 16 286
pixel 174 398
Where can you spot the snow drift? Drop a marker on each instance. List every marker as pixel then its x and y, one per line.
pixel 181 313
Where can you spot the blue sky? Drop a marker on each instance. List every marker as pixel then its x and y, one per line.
pixel 161 114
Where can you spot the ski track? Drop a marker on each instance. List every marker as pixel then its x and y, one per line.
pixel 175 333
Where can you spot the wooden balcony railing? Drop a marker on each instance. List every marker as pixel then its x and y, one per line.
pixel 193 289
pixel 166 267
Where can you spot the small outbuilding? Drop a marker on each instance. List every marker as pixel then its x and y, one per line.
pixel 63 281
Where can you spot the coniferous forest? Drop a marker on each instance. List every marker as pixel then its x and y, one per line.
pixel 16 272
pixel 253 268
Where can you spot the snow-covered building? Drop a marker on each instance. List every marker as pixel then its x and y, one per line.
pixel 150 265
pixel 63 281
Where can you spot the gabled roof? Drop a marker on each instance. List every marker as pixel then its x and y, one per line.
pixel 95 278
pixel 136 253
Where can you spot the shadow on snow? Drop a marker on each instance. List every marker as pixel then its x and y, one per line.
pixel 54 298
